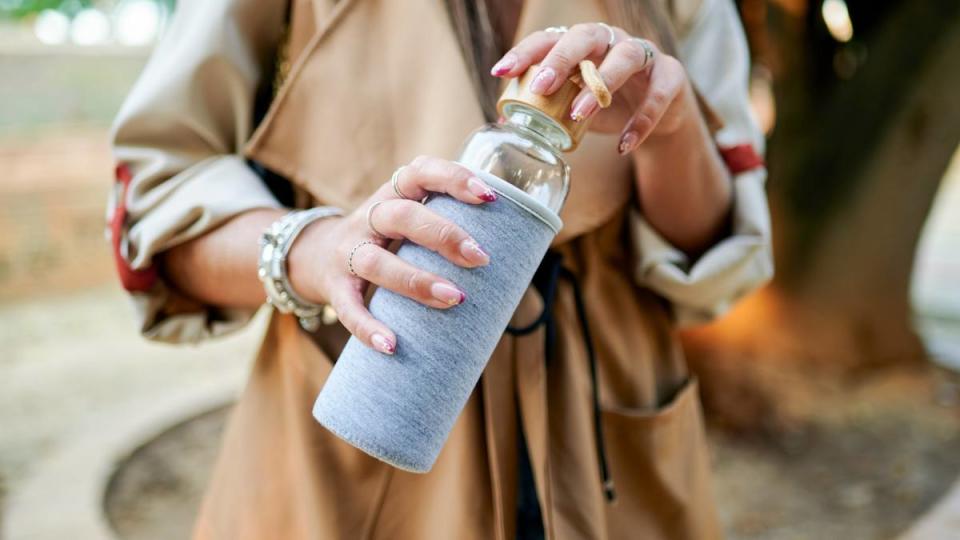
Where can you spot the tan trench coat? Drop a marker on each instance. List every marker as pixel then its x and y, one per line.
pixel 372 84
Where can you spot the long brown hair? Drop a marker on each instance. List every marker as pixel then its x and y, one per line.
pixel 482 46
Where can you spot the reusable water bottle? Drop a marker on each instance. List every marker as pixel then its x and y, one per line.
pixel 401 408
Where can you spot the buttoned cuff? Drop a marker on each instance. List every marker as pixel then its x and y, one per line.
pixel 701 290
pixel 146 222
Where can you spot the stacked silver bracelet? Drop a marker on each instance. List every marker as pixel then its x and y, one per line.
pixel 272 267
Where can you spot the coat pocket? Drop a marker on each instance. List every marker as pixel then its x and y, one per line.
pixel 660 467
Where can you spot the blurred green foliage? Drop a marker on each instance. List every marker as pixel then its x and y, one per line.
pixel 16 9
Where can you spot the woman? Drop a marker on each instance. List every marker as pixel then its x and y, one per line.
pixel 666 224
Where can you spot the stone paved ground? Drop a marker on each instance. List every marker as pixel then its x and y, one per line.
pixel 73 367
pixel 54 172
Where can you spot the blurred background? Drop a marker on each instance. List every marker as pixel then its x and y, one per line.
pixel 832 394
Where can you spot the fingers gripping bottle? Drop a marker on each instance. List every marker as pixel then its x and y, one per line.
pixel 401 408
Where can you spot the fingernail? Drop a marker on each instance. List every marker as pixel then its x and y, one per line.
pixel 629 141
pixel 481 189
pixel 504 65
pixel 382 344
pixel 447 294
pixel 472 252
pixel 542 80
pixel 584 107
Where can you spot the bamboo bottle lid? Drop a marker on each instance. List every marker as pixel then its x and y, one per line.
pixel 557 105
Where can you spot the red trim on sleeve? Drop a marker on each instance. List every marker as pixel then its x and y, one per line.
pixel 741 158
pixel 132 280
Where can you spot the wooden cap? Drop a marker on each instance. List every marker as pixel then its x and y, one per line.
pixel 556 105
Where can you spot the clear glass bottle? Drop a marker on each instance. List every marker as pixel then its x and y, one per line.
pixel 526 147
pixel 526 151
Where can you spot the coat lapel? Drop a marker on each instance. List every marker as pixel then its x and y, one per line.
pixel 379 83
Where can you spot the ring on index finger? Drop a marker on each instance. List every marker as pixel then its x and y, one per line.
pixel 556 30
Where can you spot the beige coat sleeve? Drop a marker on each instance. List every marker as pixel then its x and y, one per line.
pixel 714 51
pixel 177 138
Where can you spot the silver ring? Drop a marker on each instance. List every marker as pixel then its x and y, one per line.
pixel 395 181
pixel 353 252
pixel 370 219
pixel 556 30
pixel 613 35
pixel 647 50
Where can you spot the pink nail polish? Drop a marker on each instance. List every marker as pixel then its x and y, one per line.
pixel 629 142
pixel 583 108
pixel 472 251
pixel 504 65
pixel 542 80
pixel 382 344
pixel 481 190
pixel 447 294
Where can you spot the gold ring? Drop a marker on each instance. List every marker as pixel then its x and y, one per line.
pixel 353 252
pixel 370 219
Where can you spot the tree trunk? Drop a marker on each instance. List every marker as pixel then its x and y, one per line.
pixel 854 169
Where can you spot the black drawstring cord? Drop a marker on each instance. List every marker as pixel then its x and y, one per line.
pixel 546 278
pixel 608 490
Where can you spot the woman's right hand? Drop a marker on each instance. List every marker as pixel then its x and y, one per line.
pixel 319 260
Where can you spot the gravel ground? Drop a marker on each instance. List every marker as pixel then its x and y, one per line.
pixel 157 491
pixel 869 460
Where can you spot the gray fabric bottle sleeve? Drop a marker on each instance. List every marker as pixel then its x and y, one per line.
pixel 401 408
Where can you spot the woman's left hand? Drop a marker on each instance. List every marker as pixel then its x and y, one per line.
pixel 651 94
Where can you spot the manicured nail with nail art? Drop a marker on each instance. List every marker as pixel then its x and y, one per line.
pixel 504 65
pixel 542 80
pixel 473 253
pixel 583 108
pixel 382 344
pixel 447 294
pixel 629 141
pixel 481 189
